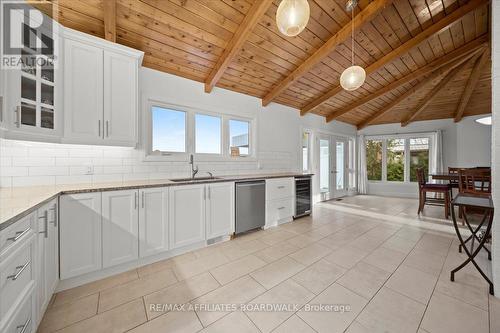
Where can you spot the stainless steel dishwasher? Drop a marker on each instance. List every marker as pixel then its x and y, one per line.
pixel 250 205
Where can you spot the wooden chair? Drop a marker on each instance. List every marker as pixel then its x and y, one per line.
pixel 454 171
pixel 424 188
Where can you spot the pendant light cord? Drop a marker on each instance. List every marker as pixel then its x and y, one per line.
pixel 352 36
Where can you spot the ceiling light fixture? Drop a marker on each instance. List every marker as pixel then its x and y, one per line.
pixel 352 77
pixel 484 120
pixel 292 16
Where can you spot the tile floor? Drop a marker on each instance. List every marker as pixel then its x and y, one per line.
pixel 377 266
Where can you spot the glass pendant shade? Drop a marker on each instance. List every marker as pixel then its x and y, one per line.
pixel 292 16
pixel 352 78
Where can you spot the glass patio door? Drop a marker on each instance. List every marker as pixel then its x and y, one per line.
pixel 333 156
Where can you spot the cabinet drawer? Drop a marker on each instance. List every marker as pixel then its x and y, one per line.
pixel 15 276
pixel 23 320
pixel 16 232
pixel 279 210
pixel 279 188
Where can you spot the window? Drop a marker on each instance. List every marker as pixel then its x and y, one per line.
pixel 396 160
pixel 168 130
pixel 419 157
pixel 208 134
pixel 239 132
pixel 374 159
pixel 306 139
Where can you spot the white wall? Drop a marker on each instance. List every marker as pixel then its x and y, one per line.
pixel 495 54
pixel 278 142
pixel 465 144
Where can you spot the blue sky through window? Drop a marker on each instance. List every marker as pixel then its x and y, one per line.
pixel 169 130
pixel 238 133
pixel 208 134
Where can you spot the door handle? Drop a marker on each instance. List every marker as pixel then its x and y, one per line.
pixel 25 326
pixel 14 277
pixel 46 223
pixel 18 116
pixel 99 127
pixel 143 199
pixel 135 200
pixel 107 128
pixel 19 234
pixel 54 209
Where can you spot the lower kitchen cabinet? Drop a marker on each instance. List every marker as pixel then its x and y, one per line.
pixel 220 209
pixel 187 214
pixel 47 254
pixel 120 227
pixel 153 221
pixel 80 233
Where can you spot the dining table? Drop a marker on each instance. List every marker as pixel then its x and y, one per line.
pixel 444 176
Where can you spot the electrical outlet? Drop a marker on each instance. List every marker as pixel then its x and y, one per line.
pixel 89 169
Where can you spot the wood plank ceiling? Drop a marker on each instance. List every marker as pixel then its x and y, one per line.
pixel 239 38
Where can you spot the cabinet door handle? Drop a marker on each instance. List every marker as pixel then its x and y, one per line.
pixel 143 199
pixel 54 209
pixel 19 234
pixel 99 127
pixel 18 116
pixel 135 200
pixel 209 192
pixel 204 193
pixel 1 108
pixel 46 223
pixel 25 326
pixel 280 208
pixel 107 129
pixel 14 277
pixel 281 187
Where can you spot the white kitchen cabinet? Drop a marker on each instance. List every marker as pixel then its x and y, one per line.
pixel 280 199
pixel 120 227
pixel 80 230
pixel 220 209
pixel 153 221
pixel 101 95
pixel 47 254
pixel 83 94
pixel 186 215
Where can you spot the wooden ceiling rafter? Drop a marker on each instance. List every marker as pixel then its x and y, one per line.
pixel 471 85
pixel 234 45
pixel 109 9
pixel 404 48
pixel 433 76
pixel 324 51
pixel 464 50
pixel 427 99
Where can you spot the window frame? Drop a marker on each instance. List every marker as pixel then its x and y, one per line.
pixel 309 150
pixel 190 111
pixel 407 156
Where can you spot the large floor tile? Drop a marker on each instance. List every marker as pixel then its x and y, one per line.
pixel 385 259
pixel 310 254
pixel 413 283
pixel 301 241
pixel 449 315
pixel 294 325
pixel 335 319
pixel 474 295
pixel 364 279
pixel 347 256
pixel 237 292
pixel 390 311
pixel 164 264
pixel 494 306
pixel 319 276
pixel 277 251
pixel 191 268
pixel 244 248
pixel 233 322
pixel 126 292
pixel 289 294
pixel 435 244
pixel 400 244
pixel 174 322
pixel 425 261
pixel 64 315
pixel 68 296
pixel 179 293
pixel 235 269
pixel 277 272
pixel 117 320
pixel 277 236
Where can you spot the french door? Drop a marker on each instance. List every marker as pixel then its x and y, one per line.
pixel 333 166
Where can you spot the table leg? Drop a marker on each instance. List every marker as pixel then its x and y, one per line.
pixel 474 234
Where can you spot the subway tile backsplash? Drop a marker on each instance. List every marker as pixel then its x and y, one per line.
pixel 24 163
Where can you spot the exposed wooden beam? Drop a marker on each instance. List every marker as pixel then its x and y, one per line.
pixel 363 17
pixel 245 28
pixel 417 110
pixel 433 76
pixel 403 49
pixel 110 20
pixel 472 47
pixel 471 85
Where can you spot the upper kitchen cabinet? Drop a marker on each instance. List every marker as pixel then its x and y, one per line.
pixel 101 91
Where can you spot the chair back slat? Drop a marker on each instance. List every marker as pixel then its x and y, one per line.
pixel 475 181
pixel 454 171
pixel 421 177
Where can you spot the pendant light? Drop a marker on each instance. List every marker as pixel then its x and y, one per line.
pixel 352 77
pixel 292 16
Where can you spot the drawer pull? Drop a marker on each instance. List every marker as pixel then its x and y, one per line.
pixel 25 326
pixel 21 269
pixel 19 234
pixel 281 187
pixel 280 208
pixel 54 209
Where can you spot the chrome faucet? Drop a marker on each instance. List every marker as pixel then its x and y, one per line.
pixel 210 174
pixel 194 170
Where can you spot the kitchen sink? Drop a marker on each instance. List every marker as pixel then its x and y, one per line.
pixel 199 179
